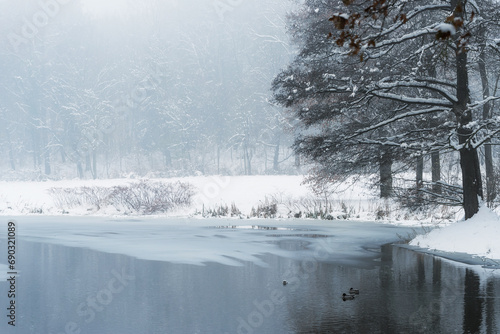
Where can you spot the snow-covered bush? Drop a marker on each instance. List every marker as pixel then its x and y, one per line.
pixel 268 209
pixel 144 197
pixel 222 210
pixel 68 198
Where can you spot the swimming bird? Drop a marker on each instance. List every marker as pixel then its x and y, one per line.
pixel 285 282
pixel 347 297
pixel 354 291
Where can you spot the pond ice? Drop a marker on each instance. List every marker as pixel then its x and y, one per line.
pixel 225 241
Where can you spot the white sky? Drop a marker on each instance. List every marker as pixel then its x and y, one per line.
pixel 107 7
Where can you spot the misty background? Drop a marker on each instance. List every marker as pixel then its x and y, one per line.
pixel 152 88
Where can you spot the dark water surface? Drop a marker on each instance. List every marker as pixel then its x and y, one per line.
pixel 75 290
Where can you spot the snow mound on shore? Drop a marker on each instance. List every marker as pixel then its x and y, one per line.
pixel 479 236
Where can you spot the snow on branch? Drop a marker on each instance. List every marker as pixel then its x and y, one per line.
pixel 412 14
pixel 379 142
pixel 419 84
pixel 412 100
pixel 437 81
pixel 443 199
pixel 430 30
pixel 487 138
pixel 385 37
pixel 395 119
pixel 479 104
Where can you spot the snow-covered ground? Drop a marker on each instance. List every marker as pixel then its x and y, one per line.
pixel 21 198
pixel 478 236
pixel 352 200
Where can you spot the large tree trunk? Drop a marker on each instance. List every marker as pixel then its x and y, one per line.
pixel 469 159
pixel 471 175
pixel 385 173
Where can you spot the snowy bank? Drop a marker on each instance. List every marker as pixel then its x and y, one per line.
pixel 351 199
pixel 21 198
pixel 477 236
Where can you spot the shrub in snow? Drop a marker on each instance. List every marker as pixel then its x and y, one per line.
pixel 318 208
pixel 144 197
pixel 67 198
pixel 268 209
pixel 221 211
pixel 152 197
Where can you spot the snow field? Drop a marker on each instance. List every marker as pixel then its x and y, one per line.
pixel 348 200
pixel 478 236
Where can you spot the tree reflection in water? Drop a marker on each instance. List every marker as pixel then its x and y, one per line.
pixel 401 291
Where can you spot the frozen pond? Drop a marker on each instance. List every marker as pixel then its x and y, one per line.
pixel 221 277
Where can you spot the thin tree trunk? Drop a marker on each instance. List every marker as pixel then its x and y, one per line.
pixel 94 164
pixel 436 172
pixel 11 157
pixel 491 192
pixel 46 159
pixel 79 169
pixel 168 158
pixel 87 162
pixel 46 151
pixel 420 171
pixel 12 161
pixel 245 163
pixel 36 149
pixel 63 155
pixel 435 156
pixel 488 153
pixel 248 167
pixel 218 159
pixel 385 173
pixel 276 154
